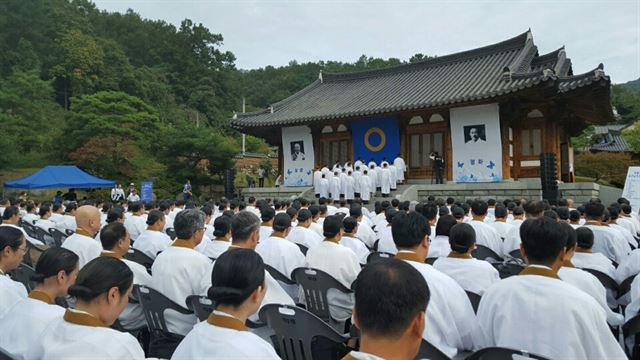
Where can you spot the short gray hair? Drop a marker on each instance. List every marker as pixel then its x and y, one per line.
pixel 243 225
pixel 187 222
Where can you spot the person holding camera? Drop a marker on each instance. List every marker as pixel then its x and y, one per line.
pixel 437 166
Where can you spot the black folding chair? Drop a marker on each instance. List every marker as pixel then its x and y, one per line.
pixel 44 236
pixel 482 252
pixel 508 268
pixel 625 286
pixel 69 232
pixel 22 274
pixel 5 355
pixel 315 285
pixel 474 299
pixel 516 254
pixel 141 258
pixel 498 353
pixel 299 333
pixel 32 252
pixel 278 275
pixel 58 236
pixel 162 343
pixel 303 248
pixel 378 255
pixel 202 306
pixel 30 229
pixel 632 328
pixel 428 351
pixel 430 260
pixel 172 233
pixel 604 279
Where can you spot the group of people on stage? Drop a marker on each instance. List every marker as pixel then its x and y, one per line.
pixel 358 180
pixel 554 308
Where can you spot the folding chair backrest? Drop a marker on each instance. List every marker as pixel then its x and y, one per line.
pixel 474 299
pixel 69 232
pixel 5 355
pixel 498 353
pixel 482 252
pixel 295 330
pixel 303 248
pixel 202 306
pixel 428 351
pixel 315 285
pixel 605 279
pixel 22 274
pixel 139 257
pixel 58 236
pixel 378 255
pixel 278 275
pixel 44 236
pixel 30 229
pixel 625 286
pixel 153 306
pixel 172 233
pixel 430 260
pixel 516 254
pixel 508 269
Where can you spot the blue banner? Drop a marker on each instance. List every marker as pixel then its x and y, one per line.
pixel 376 139
pixel 146 191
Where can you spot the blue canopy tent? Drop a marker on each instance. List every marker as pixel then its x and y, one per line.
pixel 57 177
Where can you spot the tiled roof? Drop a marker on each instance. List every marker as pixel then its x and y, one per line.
pixel 487 72
pixel 612 140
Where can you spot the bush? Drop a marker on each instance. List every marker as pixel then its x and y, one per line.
pixel 611 167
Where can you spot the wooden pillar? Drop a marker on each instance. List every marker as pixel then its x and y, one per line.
pixel 448 152
pixel 504 135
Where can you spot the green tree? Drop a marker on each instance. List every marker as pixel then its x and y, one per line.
pixel 632 136
pixel 626 103
pixel 611 167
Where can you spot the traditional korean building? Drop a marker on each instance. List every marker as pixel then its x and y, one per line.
pixel 533 103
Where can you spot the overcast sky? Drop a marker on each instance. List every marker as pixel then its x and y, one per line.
pixel 262 33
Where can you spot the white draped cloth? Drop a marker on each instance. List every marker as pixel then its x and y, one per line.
pixel 324 188
pixel 439 247
pixel 334 187
pixel 151 242
pixel 471 274
pixel 358 247
pixel 304 236
pixel 546 316
pixel 400 168
pixel 85 247
pixel 132 317
pixel 12 292
pixel 609 242
pixel 349 188
pixel 284 256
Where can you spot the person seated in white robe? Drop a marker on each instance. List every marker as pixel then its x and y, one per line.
pixel 343 209
pixel 31 216
pixel 180 270
pixel 238 287
pixel 611 216
pixel 453 326
pixel 500 223
pixel 338 261
pixel 366 234
pixel 22 327
pixel 301 234
pixel 266 228
pixel 473 275
pixel 584 258
pixel 282 254
pixel 82 242
pixel 537 312
pixel 13 246
pixel 628 221
pixel 153 239
pixel 56 214
pixel 584 280
pixel 350 239
pixel 574 219
pixel 606 241
pixel 531 210
pixel 440 246
pixel 385 242
pixel 102 291
pixel 116 242
pixel 134 222
pixel 11 218
pixel 68 217
pixel 486 235
pixel 390 329
pixel 316 226
pixel 44 221
pixel 221 238
pixel 293 214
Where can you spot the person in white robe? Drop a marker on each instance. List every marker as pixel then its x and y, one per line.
pixel 324 186
pixel 82 243
pixel 180 271
pixel 334 186
pixel 338 261
pixel 394 177
pixel 570 315
pixel 282 254
pixel 350 239
pixel 317 176
pixel 512 242
pixel 116 242
pixel 44 221
pixel 486 235
pixel 471 274
pixel 84 332
pixel 349 187
pixel 628 220
pixel 221 238
pixel 153 239
pixel 357 183
pixel 584 280
pixel 440 246
pixel 385 180
pixel 11 218
pixel 453 326
pixel 365 233
pixel 390 329
pixel 609 242
pixel 366 187
pixel 612 222
pixel 134 222
pixel 238 289
pixel 68 218
pixel 375 178
pixel 22 327
pixel 342 176
pixel 57 216
pixel 584 258
pixel 31 216
pixel 357 163
pixel 301 234
pixel 500 223
pixel 13 246
pixel 401 167
pixel 385 236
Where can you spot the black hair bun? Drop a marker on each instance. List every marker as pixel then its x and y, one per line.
pixel 80 291
pixel 37 278
pixel 224 293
